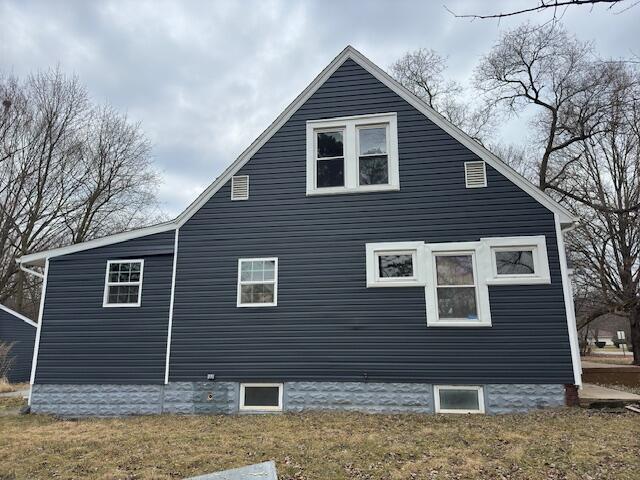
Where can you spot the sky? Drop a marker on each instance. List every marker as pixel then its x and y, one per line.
pixel 205 78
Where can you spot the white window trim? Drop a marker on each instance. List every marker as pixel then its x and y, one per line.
pixel 436 398
pixel 350 126
pixel 275 283
pixel 245 408
pixel 107 284
pixel 481 266
pixel 537 244
pixel 415 249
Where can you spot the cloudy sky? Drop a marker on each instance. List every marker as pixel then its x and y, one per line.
pixel 205 78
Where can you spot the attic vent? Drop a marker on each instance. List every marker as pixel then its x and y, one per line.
pixel 475 174
pixel 240 187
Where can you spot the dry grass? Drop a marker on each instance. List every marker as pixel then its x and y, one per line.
pixel 6 387
pixel 567 444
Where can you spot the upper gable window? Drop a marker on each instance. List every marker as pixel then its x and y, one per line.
pixel 352 154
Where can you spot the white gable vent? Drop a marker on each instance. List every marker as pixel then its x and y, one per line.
pixel 475 174
pixel 240 187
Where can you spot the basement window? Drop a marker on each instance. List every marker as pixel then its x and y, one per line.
pixel 352 154
pixel 261 397
pixel 123 283
pixel 458 399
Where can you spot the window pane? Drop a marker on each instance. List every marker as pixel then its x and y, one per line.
pixel 257 293
pixel 330 173
pixel 373 141
pixel 451 399
pixel 391 266
pixel 457 303
pixel 374 170
pixel 330 144
pixel 113 276
pixel 261 396
pixel 123 294
pixel 269 270
pixel 454 269
pixel 114 267
pixel 516 262
pixel 245 271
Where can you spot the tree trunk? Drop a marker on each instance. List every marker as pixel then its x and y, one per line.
pixel 634 320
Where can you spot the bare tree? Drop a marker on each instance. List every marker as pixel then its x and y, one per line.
pixel 69 171
pixel 542 5
pixel 422 73
pixel 546 68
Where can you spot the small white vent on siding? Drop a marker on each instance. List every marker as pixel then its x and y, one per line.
pixel 475 174
pixel 240 187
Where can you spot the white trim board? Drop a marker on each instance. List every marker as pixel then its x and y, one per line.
pixel 348 53
pixel 171 303
pixel 19 316
pixel 36 348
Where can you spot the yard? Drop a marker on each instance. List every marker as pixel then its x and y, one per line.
pixel 564 444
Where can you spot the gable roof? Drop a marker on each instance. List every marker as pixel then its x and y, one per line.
pixel 19 316
pixel 348 53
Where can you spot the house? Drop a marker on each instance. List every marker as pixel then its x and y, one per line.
pixel 361 254
pixel 19 332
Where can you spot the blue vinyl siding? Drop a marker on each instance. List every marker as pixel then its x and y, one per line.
pixel 83 342
pixel 21 335
pixel 328 326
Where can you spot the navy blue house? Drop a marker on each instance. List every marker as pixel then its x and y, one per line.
pixel 362 254
pixel 19 332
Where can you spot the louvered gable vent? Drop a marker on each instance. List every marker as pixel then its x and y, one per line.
pixel 475 174
pixel 240 187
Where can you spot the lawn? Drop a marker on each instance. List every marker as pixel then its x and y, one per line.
pixel 564 444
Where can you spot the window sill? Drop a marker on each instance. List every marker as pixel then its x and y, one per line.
pixel 458 323
pixel 254 305
pixel 403 283
pixel 347 191
pixel 120 305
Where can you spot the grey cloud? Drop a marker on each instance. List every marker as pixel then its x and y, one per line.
pixel 205 78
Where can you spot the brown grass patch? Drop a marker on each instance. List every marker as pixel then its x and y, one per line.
pixel 567 444
pixel 6 387
pixel 616 360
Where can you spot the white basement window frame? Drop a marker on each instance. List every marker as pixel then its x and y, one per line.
pixel 533 250
pixel 350 130
pixel 127 278
pixel 244 406
pixel 262 277
pixel 376 253
pixel 480 263
pixel 440 408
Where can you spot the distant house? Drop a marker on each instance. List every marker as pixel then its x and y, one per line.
pixel 361 254
pixel 19 332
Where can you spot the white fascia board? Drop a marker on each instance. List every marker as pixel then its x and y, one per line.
pixel 19 316
pixel 40 257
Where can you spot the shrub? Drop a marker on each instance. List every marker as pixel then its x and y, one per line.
pixel 6 362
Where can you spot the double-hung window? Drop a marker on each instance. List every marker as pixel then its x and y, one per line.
pixel 352 154
pixel 456 293
pixel 257 282
pixel 123 283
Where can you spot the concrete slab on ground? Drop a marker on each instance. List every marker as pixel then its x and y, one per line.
pixel 259 471
pixel 595 395
pixel 588 364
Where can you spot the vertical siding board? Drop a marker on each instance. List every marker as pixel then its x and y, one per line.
pixel 82 342
pixel 327 325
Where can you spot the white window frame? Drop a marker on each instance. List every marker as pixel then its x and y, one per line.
pixel 375 250
pixel 436 398
pixel 107 284
pixel 350 127
pixel 481 266
pixel 246 282
pixel 249 408
pixel 538 246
